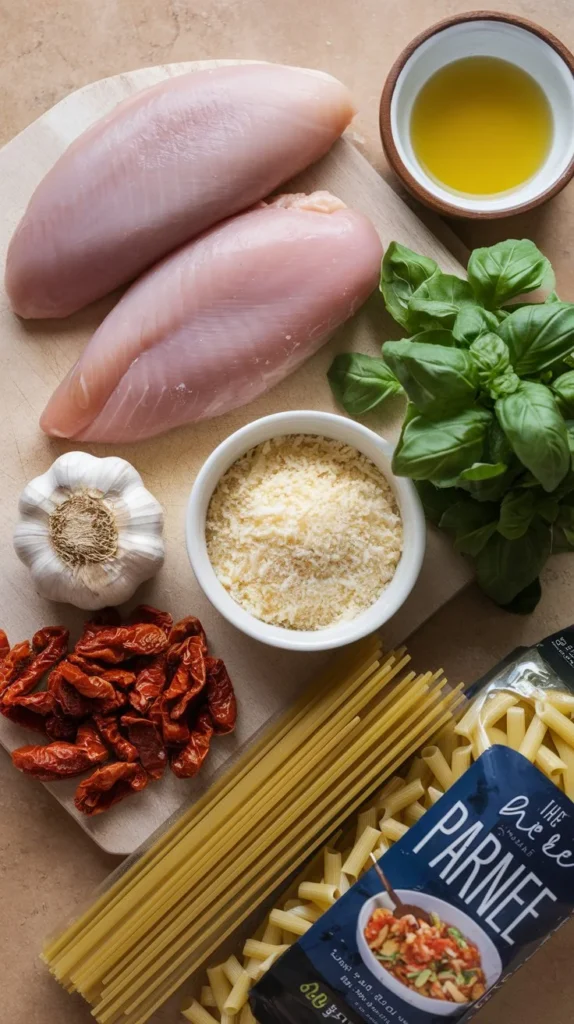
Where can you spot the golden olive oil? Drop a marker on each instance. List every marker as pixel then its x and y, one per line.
pixel 481 125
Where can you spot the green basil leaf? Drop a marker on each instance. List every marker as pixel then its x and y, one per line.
pixel 552 298
pixel 537 432
pixel 506 567
pixel 570 432
pixel 483 471
pixel 360 383
pixel 525 602
pixel 563 388
pixel 498 446
pixel 436 336
pixel 440 451
pixel 502 271
pixel 435 500
pixel 517 511
pixel 438 300
pixel 472 322
pixel 472 525
pixel 538 336
pixel 506 384
pixel 402 272
pixel 440 381
pixel 491 356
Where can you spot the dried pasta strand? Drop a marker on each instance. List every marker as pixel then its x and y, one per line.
pixel 461 760
pixel 188 965
pixel 365 656
pixel 408 697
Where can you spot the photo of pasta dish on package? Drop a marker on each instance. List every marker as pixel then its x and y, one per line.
pixel 436 960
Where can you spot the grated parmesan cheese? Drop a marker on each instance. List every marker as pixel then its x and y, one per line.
pixel 304 532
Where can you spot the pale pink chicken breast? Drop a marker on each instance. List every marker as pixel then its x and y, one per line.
pixel 162 167
pixel 220 321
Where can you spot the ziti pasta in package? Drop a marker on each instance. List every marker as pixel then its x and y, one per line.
pixel 474 842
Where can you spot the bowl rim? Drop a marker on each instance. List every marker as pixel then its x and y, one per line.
pixel 387 137
pixel 241 441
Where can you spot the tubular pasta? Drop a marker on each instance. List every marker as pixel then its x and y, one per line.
pixel 207 998
pixel 438 765
pixel 332 866
pixel 402 798
pixel 239 993
pixel 515 726
pixel 359 855
pixel 197 1014
pixel 534 735
pixel 549 762
pixel 461 759
pixel 393 829
pixel 566 754
pixel 555 720
pixel 414 813
pixel 319 893
pixel 366 819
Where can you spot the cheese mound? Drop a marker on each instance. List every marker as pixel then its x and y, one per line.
pixel 304 532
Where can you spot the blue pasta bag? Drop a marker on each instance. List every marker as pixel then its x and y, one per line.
pixel 488 867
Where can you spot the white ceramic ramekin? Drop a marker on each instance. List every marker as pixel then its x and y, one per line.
pixel 486 34
pixel 325 425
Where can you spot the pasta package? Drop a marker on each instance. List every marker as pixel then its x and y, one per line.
pixel 447 879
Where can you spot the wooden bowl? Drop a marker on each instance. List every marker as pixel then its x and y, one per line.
pixel 484 33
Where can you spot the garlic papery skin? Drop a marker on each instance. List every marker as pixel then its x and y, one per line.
pixel 89 531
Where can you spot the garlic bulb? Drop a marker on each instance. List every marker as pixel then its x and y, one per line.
pixel 89 531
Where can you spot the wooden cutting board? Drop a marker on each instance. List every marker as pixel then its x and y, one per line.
pixel 34 356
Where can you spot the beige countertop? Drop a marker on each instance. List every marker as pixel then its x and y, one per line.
pixel 47 865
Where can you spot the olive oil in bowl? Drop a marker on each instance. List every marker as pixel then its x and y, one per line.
pixel 481 126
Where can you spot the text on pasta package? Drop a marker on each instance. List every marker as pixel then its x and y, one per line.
pixel 486 876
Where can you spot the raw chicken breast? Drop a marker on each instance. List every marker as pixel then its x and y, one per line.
pixel 162 167
pixel 220 321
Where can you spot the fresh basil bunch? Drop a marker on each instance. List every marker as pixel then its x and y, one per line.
pixel 488 434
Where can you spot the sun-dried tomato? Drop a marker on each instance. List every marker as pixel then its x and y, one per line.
pixel 190 675
pixel 150 682
pixel 91 668
pixel 93 687
pixel 31 710
pixel 90 741
pixel 150 747
pixel 14 663
pixel 187 762
pixel 49 645
pixel 108 785
pixel 189 626
pixel 109 728
pixel 175 734
pixel 220 696
pixel 59 726
pixel 4 645
pixel 147 613
pixel 118 644
pixel 55 761
pixel 72 704
pixel 119 677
